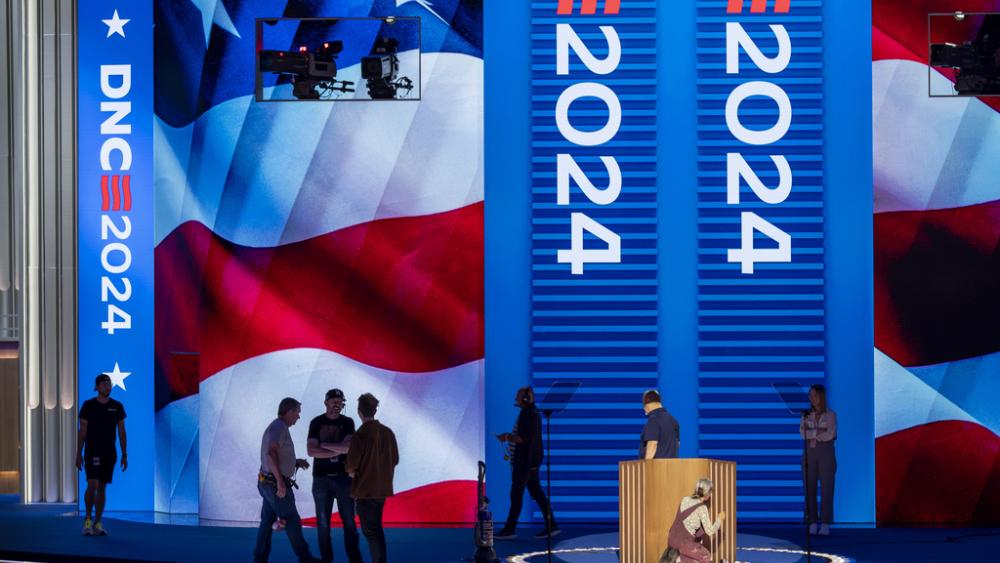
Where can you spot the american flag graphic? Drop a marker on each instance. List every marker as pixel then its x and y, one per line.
pixel 308 245
pixel 937 277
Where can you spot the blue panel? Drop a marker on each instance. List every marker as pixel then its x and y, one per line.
pixel 762 324
pixel 508 228
pixel 850 341
pixel 595 323
pixel 115 213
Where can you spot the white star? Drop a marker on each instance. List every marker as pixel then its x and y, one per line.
pixel 214 11
pixel 118 377
pixel 426 4
pixel 116 25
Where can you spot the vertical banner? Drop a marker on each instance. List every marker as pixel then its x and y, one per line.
pixel 594 262
pixel 115 216
pixel 761 328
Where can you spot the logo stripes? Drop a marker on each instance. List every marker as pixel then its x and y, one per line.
pixel 758 6
pixel 589 7
pixel 118 198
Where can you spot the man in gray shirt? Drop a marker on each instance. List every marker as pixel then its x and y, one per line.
pixel 277 465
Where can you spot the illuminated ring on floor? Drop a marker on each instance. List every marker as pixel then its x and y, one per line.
pixel 828 556
pixel 526 557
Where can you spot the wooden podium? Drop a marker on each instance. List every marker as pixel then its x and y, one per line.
pixel 649 493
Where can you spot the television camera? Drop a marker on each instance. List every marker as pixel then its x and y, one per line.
pixel 313 73
pixel 380 70
pixel 976 63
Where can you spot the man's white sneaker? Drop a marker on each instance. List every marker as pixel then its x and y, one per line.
pixel 813 528
pixel 88 527
pixel 824 530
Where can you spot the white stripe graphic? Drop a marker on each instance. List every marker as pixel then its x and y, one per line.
pixel 308 168
pixel 930 153
pixel 437 418
pixel 903 400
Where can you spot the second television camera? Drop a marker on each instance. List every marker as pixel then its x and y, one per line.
pixel 381 70
pixel 976 63
pixel 313 73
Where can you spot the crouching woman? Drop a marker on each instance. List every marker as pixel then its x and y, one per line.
pixel 692 525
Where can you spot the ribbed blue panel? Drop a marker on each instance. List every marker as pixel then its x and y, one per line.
pixel 767 327
pixel 599 327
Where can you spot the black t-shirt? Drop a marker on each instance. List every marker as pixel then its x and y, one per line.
pixel 102 424
pixel 662 428
pixel 528 453
pixel 330 430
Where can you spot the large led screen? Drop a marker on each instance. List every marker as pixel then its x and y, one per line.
pixel 937 262
pixel 307 245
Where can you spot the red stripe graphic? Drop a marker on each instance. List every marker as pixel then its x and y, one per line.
pixel 105 196
pixel 127 191
pixel 447 502
pixel 937 284
pixel 588 7
pixel 899 30
pixel 938 473
pixel 612 6
pixel 116 196
pixel 401 294
pixel 565 7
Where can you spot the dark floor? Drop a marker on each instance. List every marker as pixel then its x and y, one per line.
pixel 52 533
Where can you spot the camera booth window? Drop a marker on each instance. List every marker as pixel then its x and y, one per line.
pixel 964 54
pixel 338 59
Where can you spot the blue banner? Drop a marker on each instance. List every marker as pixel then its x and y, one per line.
pixel 761 299
pixel 115 216
pixel 594 245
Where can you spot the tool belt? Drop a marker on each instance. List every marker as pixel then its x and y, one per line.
pixel 270 479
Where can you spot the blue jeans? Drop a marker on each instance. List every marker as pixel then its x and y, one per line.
pixel 326 490
pixel 272 509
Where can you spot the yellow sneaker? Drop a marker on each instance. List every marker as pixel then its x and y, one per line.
pixel 99 530
pixel 88 527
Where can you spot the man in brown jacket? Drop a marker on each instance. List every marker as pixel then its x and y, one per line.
pixel 371 461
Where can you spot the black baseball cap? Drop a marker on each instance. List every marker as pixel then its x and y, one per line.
pixel 100 378
pixel 335 394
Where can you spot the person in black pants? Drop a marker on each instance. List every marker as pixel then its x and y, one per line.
pixel 819 460
pixel 371 461
pixel 329 438
pixel 526 459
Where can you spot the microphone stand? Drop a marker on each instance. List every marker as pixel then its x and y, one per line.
pixel 556 399
pixel 805 472
pixel 547 413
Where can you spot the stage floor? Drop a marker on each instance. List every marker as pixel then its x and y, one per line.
pixel 52 533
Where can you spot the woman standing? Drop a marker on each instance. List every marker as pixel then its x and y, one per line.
pixel 691 525
pixel 819 461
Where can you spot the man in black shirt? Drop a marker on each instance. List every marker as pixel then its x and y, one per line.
pixel 100 419
pixel 526 460
pixel 661 436
pixel 329 438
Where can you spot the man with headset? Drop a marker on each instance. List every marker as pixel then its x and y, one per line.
pixel 526 459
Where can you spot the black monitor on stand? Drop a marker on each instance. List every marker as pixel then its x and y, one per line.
pixel 556 399
pixel 796 399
